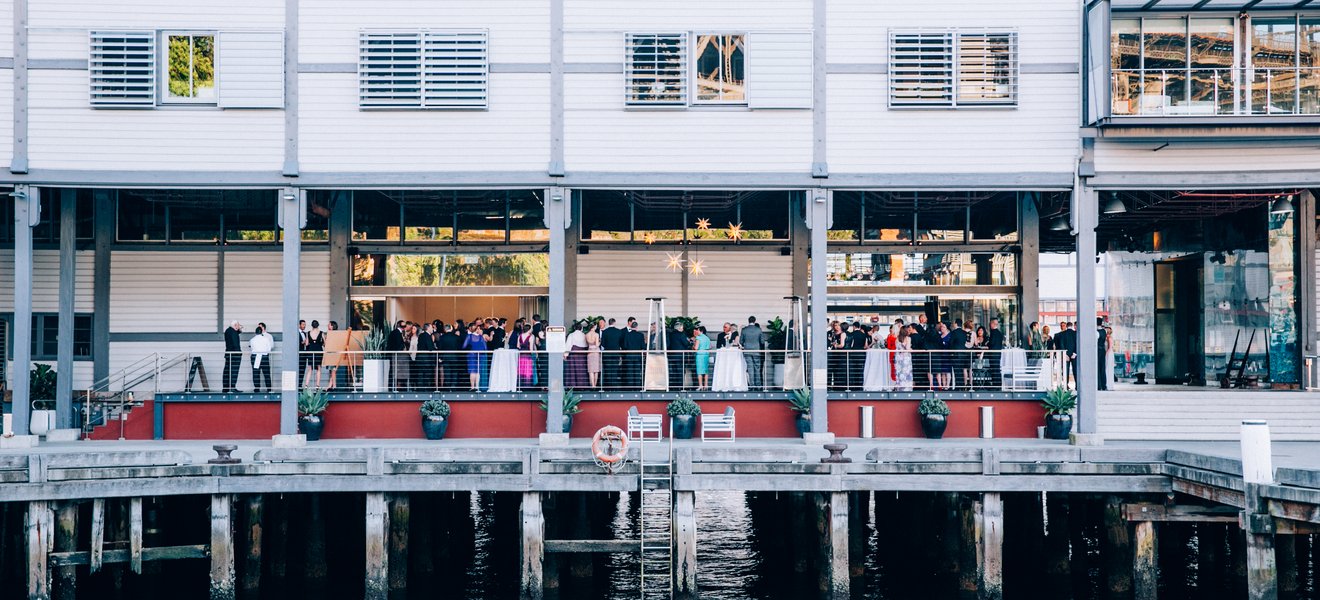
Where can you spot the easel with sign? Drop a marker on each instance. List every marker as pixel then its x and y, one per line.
pixel 197 370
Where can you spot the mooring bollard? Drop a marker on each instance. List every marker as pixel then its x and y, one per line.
pixel 868 422
pixel 223 457
pixel 836 454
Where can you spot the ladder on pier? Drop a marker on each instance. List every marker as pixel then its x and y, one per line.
pixel 655 518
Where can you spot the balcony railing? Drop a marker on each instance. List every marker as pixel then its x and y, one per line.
pixel 1216 92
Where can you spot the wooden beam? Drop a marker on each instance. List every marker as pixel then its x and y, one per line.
pixel 534 547
pixel 38 546
pixel 378 559
pixel 1145 561
pixel 222 547
pixel 77 558
pixel 991 517
pixel 97 543
pixel 1188 513
pixel 66 540
pixel 135 534
pixel 592 546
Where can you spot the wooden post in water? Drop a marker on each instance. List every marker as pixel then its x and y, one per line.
pixel 66 540
pixel 421 556
pixel 1144 561
pixel 38 547
pixel 990 543
pixel 96 544
pixel 275 563
pixel 832 528
pixel 378 560
pixel 550 504
pixel 580 567
pixel 400 515
pixel 314 568
pixel 1117 550
pixel 135 534
pixel 685 544
pixel 533 547
pixel 1258 526
pixel 252 519
pixel 969 560
pixel 222 547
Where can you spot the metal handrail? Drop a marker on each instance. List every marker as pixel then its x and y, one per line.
pixel 146 369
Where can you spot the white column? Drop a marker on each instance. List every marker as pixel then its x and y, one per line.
pixel 293 217
pixel 819 215
pixel 1085 215
pixel 27 213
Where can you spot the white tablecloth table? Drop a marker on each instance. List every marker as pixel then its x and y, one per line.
pixel 730 371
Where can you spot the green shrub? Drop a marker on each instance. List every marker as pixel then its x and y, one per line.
pixel 373 344
pixel 435 408
pixel 312 401
pixel 571 402
pixel 683 405
pixel 41 387
pixel 799 400
pixel 1059 401
pixel 932 406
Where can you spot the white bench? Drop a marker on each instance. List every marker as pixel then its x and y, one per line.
pixel 718 424
pixel 639 424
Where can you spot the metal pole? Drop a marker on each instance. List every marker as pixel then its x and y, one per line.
pixel 27 213
pixel 558 216
pixel 819 215
pixel 64 339
pixel 1084 218
pixel 292 214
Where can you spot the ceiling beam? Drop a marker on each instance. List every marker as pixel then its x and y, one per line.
pixel 1302 4
pixel 1150 5
pixel 1250 4
pixel 1198 5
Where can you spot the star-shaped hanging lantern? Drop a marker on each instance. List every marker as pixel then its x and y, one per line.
pixel 675 262
pixel 735 231
pixel 696 267
pixel 648 237
pixel 703 224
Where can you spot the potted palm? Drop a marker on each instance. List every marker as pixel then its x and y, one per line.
pixel 41 382
pixel 571 407
pixel 934 417
pixel 1059 404
pixel 799 401
pixel 776 339
pixel 375 363
pixel 435 418
pixel 312 403
pixel 683 413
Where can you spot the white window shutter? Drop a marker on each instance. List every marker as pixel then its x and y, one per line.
pixel 250 69
pixel 921 68
pixel 121 68
pixel 455 69
pixel 779 69
pixel 390 69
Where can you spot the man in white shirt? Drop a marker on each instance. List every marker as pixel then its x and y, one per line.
pixel 262 343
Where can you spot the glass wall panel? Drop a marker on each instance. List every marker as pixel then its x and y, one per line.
pixel 1211 77
pixel 1164 44
pixel 995 218
pixel 1274 62
pixel 955 269
pixel 194 223
pixel 527 218
pixel 1125 55
pixel 942 218
pixel 319 208
pixel 1283 299
pixel 606 218
pixel 889 217
pixel 376 217
pixel 1308 56
pixel 847 223
pixel 482 220
pixel 764 217
pixel 431 270
pixel 428 221
pixel 659 224
pixel 141 220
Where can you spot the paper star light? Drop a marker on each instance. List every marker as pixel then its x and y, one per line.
pixel 696 267
pixel 735 231
pixel 649 238
pixel 703 224
pixel 675 263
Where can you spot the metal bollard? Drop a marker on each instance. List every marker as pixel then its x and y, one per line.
pixel 987 422
pixel 868 422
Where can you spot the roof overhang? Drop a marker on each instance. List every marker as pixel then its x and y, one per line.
pixel 1210 5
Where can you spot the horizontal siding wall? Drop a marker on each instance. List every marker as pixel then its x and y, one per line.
pixel 154 292
pixel 616 284
pixel 7 27
pixel 253 288
pixel 6 116
pixel 513 135
pixel 124 14
pixel 328 29
pixel 46 281
pixel 66 133
pixel 82 372
pixel 125 354
pixel 1209 415
pixel 1209 157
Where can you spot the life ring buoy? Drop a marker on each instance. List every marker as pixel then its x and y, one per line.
pixel 612 434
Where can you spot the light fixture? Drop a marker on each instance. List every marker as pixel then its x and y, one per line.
pixel 1113 206
pixel 1059 223
pixel 1282 206
pixel 290 197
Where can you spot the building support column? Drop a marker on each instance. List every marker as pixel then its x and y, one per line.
pixel 27 214
pixel 558 219
pixel 293 217
pixel 68 280
pixel 533 547
pixel 222 547
pixel 1145 565
pixel 378 560
pixel 989 527
pixel 819 217
pixel 832 527
pixel 685 545
pixel 1028 262
pixel 800 238
pixel 1306 284
pixel 341 264
pixel 253 505
pixel 103 240
pixel 1084 216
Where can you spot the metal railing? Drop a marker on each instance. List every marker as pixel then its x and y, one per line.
pixel 112 397
pixel 1216 92
pixel 1010 370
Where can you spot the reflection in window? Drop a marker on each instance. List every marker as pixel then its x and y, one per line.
pixel 888 217
pixel 953 269
pixel 942 218
pixel 432 270
pixel 375 218
pixel 141 220
pixel 191 68
pixel 720 69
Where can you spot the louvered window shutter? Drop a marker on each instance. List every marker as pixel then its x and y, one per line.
pixel 455 69
pixel 655 69
pixel 121 69
pixel 390 70
pixel 921 69
pixel 779 69
pixel 987 68
pixel 251 69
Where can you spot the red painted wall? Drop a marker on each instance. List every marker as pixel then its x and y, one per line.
pixel 518 419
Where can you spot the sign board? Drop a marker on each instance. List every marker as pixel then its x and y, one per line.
pixel 555 339
pixel 820 378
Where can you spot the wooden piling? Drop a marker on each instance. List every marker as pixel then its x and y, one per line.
pixel 949 522
pixel 1144 561
pixel 222 547
pixel 685 545
pixel 859 504
pixel 832 527
pixel 969 560
pixel 553 528
pixel 400 519
pixel 1237 561
pixel 1262 570
pixel 990 516
pixel 377 571
pixel 1117 550
pixel 135 534
pixel 580 567
pixel 96 543
pixel 38 547
pixel 253 507
pixel 421 557
pixel 532 555
pixel 66 540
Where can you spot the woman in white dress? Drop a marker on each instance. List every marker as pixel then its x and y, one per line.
pixel 903 361
pixel 1109 358
pixel 876 375
pixel 730 367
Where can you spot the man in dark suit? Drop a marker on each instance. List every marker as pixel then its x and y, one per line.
pixel 996 345
pixel 1101 342
pixel 961 360
pixel 854 342
pixel 1066 341
pixel 920 360
pixel 634 344
pixel 423 376
pixel 395 346
pixel 233 355
pixel 611 342
pixel 753 342
pixel 452 360
pixel 678 344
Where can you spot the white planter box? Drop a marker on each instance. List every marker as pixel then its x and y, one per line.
pixel 42 421
pixel 374 375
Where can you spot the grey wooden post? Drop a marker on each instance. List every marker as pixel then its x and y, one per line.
pixel 819 215
pixel 533 547
pixel 38 547
pixel 96 545
pixel 990 529
pixel 66 540
pixel 378 561
pixel 64 340
pixel 104 234
pixel 252 520
pixel 1145 570
pixel 135 534
pixel 293 215
pixel 558 218
pixel 801 244
pixel 1258 527
pixel 832 511
pixel 400 515
pixel 222 547
pixel 341 264
pixel 27 213
pixel 685 545
pixel 1085 215
pixel 1028 263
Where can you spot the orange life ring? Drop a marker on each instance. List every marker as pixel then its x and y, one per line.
pixel 613 433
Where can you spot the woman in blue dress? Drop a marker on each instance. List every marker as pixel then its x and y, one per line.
pixel 703 358
pixel 475 344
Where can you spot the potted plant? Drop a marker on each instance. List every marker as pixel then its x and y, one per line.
pixel 41 382
pixel 435 418
pixel 683 414
pixel 1059 404
pixel 571 407
pixel 799 401
pixel 375 362
pixel 776 336
pixel 934 417
pixel 312 403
